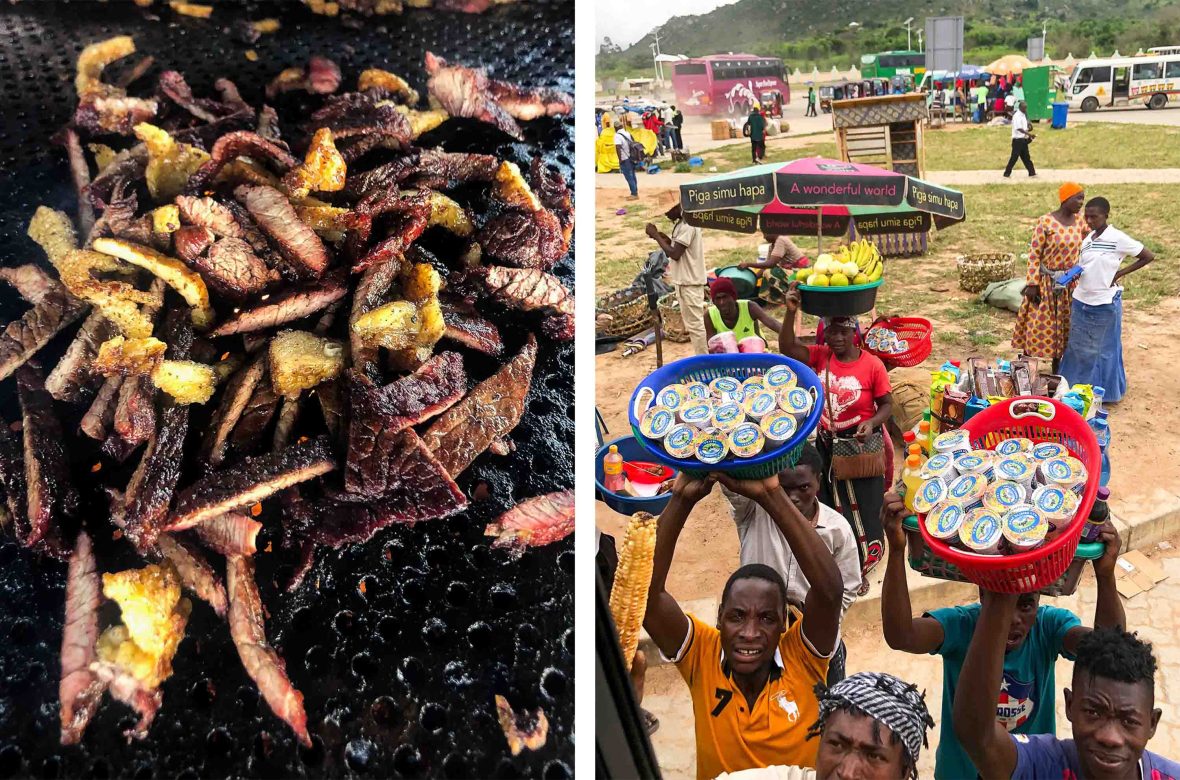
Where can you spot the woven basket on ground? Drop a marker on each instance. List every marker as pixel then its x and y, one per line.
pixel 674 329
pixel 621 314
pixel 978 271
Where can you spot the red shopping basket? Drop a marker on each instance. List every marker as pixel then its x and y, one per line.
pixel 917 331
pixel 1041 420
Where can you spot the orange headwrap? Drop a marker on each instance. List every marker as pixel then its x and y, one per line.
pixel 1068 190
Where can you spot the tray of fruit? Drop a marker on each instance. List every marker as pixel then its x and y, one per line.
pixel 843 284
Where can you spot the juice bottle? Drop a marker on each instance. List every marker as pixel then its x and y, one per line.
pixel 923 439
pixel 916 449
pixel 912 479
pixel 612 470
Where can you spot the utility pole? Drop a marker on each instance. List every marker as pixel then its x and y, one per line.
pixel 920 49
pixel 1044 39
pixel 909 40
pixel 655 47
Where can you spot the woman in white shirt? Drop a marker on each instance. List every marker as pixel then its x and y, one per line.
pixel 1094 352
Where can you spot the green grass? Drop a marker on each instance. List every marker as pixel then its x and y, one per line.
pixel 1088 145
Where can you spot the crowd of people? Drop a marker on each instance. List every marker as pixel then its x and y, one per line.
pixel 767 673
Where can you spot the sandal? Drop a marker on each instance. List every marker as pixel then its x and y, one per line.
pixel 650 722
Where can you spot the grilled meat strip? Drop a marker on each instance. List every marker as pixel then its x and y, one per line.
pixel 233 403
pixel 369 294
pixel 125 688
pixel 230 534
pixel 297 242
pixel 536 522
pixel 490 410
pixel 195 572
pixel 468 328
pixel 150 491
pixel 466 92
pixel 320 77
pixel 229 146
pixel 262 663
pixel 251 481
pixel 380 414
pixel 31 282
pixel 80 172
pixel 96 423
pixel 191 241
pixel 247 434
pixel 211 214
pixel 528 103
pixel 527 290
pixel 52 499
pixel 233 270
pixel 12 478
pixel 438 170
pixel 72 380
pixel 80 691
pixel 135 411
pixel 360 114
pixel 525 239
pixel 24 337
pixel 331 398
pixel 294 304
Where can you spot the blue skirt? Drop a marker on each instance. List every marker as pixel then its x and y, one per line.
pixel 1094 352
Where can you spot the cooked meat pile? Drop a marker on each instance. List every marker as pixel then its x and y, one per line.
pixel 264 263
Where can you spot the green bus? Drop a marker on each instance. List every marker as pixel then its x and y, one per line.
pixel 887 64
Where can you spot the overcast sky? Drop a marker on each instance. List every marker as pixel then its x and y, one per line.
pixel 626 21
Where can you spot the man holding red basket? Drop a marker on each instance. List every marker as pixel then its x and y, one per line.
pixel 1033 637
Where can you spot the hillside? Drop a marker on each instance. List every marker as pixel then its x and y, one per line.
pixel 806 33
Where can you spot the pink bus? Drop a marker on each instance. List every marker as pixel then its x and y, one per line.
pixel 727 84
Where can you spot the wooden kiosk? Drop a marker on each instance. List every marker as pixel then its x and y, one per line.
pixel 885 131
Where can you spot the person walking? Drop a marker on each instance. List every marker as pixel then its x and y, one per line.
pixel 1094 352
pixel 624 146
pixel 678 123
pixel 1021 138
pixel 810 102
pixel 979 93
pixel 1042 324
pixel 686 273
pixel 756 129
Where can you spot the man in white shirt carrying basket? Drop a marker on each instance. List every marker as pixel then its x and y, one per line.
pixel 1021 138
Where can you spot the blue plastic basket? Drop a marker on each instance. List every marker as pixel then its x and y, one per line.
pixel 706 368
pixel 630 449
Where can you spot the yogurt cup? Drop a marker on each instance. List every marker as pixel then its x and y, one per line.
pixel 1047 450
pixel 657 422
pixel 726 388
pixel 759 405
pixel 969 490
pixel 1058 505
pixel 643 401
pixel 982 531
pixel 673 397
pixel 952 441
pixel 779 377
pixel 746 440
pixel 712 449
pixel 696 413
pixel 753 384
pixel 932 493
pixel 945 521
pixel 778 427
pixel 1067 473
pixel 941 466
pixel 680 441
pixel 727 416
pixel 698 391
pixel 1024 527
pixel 975 462
pixel 1014 446
pixel 795 401
pixel 1002 496
pixel 1017 467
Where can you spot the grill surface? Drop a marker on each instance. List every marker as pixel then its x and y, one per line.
pixel 398 679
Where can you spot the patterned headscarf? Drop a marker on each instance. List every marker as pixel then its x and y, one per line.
pixel 840 322
pixel 884 698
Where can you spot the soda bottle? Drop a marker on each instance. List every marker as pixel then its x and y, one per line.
pixel 1099 514
pixel 912 479
pixel 612 470
pixel 924 437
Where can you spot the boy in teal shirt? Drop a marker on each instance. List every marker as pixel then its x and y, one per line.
pixel 1037 635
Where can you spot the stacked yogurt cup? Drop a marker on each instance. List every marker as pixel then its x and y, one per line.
pixel 728 418
pixel 882 339
pixel 1004 500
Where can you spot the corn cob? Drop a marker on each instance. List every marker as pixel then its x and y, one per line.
pixel 628 595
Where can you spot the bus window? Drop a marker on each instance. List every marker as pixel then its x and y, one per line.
pixel 1148 70
pixel 1094 75
pixel 1173 69
pixel 691 69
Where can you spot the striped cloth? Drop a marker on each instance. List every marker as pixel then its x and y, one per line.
pixel 884 698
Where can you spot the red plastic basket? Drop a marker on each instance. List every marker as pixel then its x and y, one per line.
pixel 1041 420
pixel 916 330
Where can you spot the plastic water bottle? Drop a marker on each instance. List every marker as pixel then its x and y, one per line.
pixel 1101 429
pixel 1099 395
pixel 612 470
pixel 1099 514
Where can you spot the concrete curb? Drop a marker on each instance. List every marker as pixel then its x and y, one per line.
pixel 927 593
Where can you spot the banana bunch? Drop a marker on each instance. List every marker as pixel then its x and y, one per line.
pixel 864 255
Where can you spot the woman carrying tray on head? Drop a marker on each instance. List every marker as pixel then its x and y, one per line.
pixel 727 314
pixel 1042 324
pixel 852 440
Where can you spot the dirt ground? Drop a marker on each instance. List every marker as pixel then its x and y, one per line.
pixel 1143 425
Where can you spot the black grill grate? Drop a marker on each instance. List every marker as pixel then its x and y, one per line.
pixel 399 680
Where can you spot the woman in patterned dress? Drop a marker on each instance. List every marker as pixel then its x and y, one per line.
pixel 1042 325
